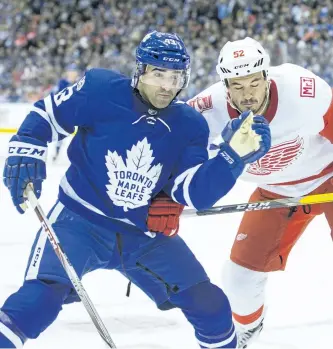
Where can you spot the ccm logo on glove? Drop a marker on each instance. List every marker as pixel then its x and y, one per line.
pixel 227 157
pixel 25 164
pixel 21 149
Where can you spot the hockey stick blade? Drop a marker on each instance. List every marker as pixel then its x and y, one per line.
pixel 262 205
pixel 76 282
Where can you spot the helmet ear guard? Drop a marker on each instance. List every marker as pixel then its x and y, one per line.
pixel 139 71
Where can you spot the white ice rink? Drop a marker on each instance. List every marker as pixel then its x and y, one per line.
pixel 300 300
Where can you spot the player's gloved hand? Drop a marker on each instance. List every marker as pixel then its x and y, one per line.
pixel 25 164
pixel 244 140
pixel 163 215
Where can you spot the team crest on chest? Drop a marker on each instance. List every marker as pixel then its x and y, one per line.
pixel 278 158
pixel 132 182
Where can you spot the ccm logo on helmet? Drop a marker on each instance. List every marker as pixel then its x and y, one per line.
pixel 170 59
pixel 241 66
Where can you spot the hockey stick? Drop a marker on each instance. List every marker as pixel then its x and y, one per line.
pixel 262 205
pixel 76 282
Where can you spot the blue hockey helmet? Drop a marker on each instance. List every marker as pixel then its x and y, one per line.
pixel 163 50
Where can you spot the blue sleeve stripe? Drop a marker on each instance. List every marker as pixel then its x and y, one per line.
pixel 45 116
pixel 49 110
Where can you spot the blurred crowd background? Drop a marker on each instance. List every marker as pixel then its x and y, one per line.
pixel 40 40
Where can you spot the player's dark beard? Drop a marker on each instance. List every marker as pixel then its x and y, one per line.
pixel 264 105
pixel 250 101
pixel 249 104
pixel 164 92
pixel 146 100
pixel 260 108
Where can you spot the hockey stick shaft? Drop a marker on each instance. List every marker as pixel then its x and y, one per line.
pixel 76 282
pixel 262 205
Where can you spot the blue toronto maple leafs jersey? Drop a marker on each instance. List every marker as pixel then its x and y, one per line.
pixel 124 152
pixel 62 83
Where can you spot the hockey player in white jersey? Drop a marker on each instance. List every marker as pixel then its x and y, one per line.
pixel 134 141
pixel 298 105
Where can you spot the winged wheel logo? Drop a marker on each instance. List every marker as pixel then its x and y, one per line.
pixel 278 158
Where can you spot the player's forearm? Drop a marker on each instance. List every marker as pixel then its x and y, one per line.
pixel 203 185
pixel 38 124
pixel 35 127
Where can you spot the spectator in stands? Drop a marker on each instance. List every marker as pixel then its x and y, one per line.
pixel 39 38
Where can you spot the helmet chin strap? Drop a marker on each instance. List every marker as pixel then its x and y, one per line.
pixel 263 106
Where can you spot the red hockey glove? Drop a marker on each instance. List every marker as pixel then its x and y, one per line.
pixel 163 215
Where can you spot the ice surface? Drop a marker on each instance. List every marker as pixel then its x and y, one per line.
pixel 300 300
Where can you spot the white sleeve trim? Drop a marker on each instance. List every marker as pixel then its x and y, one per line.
pixel 11 336
pixel 187 177
pixel 49 110
pixel 46 117
pixel 186 185
pixel 69 191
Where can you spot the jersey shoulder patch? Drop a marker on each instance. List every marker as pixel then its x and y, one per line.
pixel 307 87
pixel 205 100
pixel 201 103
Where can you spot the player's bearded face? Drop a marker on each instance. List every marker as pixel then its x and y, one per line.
pixel 248 92
pixel 159 86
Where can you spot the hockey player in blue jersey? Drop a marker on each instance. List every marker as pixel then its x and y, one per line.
pixel 70 77
pixel 134 141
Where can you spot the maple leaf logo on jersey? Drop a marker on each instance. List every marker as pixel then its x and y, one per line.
pixel 131 184
pixel 278 158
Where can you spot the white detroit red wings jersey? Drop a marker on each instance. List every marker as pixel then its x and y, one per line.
pixel 300 114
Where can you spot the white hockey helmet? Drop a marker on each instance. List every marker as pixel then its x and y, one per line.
pixel 241 58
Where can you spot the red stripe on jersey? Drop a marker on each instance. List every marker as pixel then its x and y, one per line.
pixel 324 172
pixel 327 131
